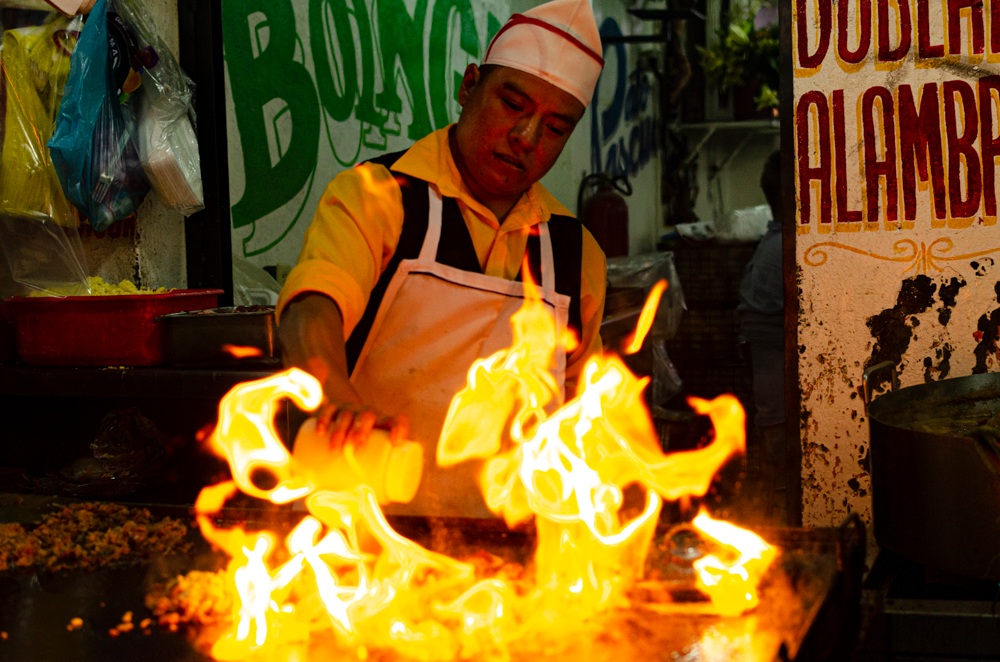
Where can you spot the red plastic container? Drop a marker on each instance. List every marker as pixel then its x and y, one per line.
pixel 117 330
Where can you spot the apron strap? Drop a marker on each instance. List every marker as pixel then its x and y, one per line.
pixel 427 214
pixel 566 233
pixel 428 253
pixel 455 247
pixel 548 266
pixel 414 230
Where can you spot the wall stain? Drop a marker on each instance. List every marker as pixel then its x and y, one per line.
pixel 865 460
pixel 986 336
pixel 943 355
pixel 944 366
pixel 894 328
pixel 891 328
pixel 948 292
pixel 968 71
pixel 982 267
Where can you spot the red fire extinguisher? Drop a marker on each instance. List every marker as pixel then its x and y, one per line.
pixel 605 212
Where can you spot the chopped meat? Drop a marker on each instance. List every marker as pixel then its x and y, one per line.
pixel 89 536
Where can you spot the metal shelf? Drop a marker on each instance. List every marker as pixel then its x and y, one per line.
pixel 160 382
pixel 748 128
pixel 760 126
pixel 666 14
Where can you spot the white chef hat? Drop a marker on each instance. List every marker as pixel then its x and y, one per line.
pixel 557 41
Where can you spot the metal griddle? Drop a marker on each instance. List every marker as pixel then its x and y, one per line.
pixel 808 602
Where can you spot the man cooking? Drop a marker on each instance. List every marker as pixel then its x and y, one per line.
pixel 412 265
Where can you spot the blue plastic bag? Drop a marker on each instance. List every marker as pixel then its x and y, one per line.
pixel 93 148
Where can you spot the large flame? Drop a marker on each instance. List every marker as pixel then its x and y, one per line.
pixel 590 473
pixel 570 470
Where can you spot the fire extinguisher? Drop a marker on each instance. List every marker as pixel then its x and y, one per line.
pixel 605 212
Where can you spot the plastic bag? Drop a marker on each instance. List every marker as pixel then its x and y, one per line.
pixel 252 286
pixel 35 63
pixel 40 247
pixel 638 274
pixel 744 226
pixel 94 149
pixel 168 145
pixel 41 255
pixel 641 272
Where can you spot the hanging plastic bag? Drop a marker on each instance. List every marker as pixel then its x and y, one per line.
pixel 639 273
pixel 94 148
pixel 35 63
pixel 168 145
pixel 40 247
pixel 40 256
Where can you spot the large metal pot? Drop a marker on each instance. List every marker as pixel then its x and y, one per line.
pixel 935 470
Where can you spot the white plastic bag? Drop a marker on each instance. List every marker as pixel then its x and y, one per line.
pixel 168 145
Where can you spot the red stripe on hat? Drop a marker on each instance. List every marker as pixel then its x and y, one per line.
pixel 518 19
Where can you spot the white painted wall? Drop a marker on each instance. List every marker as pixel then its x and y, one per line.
pixel 861 278
pixel 275 237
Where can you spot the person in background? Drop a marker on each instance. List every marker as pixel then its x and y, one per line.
pixel 412 264
pixel 762 332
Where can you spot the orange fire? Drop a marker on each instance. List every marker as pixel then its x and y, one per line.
pixel 729 583
pixel 242 351
pixel 245 433
pixel 590 472
pixel 646 317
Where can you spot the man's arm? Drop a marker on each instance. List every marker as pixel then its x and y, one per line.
pixel 312 338
pixel 356 225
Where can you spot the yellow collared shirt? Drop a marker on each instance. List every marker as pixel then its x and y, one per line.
pixel 358 222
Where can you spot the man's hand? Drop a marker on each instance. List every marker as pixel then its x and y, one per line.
pixel 346 425
pixel 311 333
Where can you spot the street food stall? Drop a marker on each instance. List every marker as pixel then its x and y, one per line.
pixel 135 525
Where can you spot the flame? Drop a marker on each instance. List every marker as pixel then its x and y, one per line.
pixel 505 390
pixel 646 317
pixel 246 437
pixel 342 567
pixel 242 351
pixel 730 584
pixel 571 469
pixel 591 473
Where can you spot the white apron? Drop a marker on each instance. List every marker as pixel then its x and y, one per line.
pixel 433 322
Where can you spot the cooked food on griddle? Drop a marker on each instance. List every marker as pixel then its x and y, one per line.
pixel 89 536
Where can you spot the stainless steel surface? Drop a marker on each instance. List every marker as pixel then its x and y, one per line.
pixel 935 476
pixel 207 338
pixel 909 613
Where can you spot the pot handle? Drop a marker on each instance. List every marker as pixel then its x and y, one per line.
pixel 988 444
pixel 866 379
